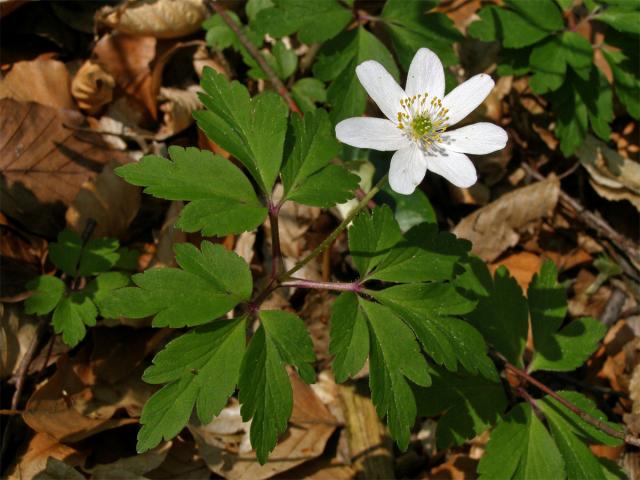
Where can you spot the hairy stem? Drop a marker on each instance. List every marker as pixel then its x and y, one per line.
pixel 257 56
pixel 337 286
pixel 599 424
pixel 364 202
pixel 276 253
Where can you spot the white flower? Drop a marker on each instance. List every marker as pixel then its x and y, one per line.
pixel 418 121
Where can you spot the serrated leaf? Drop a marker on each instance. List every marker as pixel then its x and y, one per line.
pixel 627 85
pixel 265 391
pixel 313 21
pixel 411 28
pixel 202 367
pixel 210 282
pixel 469 404
pixel 409 210
pixel 502 316
pixel 47 292
pixel 570 433
pixel 71 315
pixel 307 175
pixel 337 61
pixel 105 283
pixel 394 359
pixel 430 310
pixel 98 255
pixel 571 116
pixel 549 64
pixel 558 349
pixel 307 91
pixel 221 198
pixel 532 453
pixel 622 19
pixel 252 130
pixel 349 337
pixel 578 50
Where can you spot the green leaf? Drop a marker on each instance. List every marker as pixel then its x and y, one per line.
pixel 71 315
pixel 577 50
pixel 571 117
pixel 549 64
pixel 627 84
pixel 469 404
pixel 430 310
pixel 502 316
pixel 265 390
pixel 349 337
pixel 101 287
pixel 514 61
pixel 313 21
pixel 286 60
pixel 570 433
pixel 596 95
pixel 307 175
pixel 622 19
pixel 409 210
pixel 220 36
pixel 307 91
pixel 210 282
pixel 253 7
pixel 487 28
pixel 252 130
pixel 97 256
pixel 47 292
pixel 411 28
pixel 202 369
pixel 221 198
pixel 338 60
pixel 520 447
pixel 394 359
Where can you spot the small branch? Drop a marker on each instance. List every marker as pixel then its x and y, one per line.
pixel 276 253
pixel 257 56
pixel 329 240
pixel 337 286
pixel 21 374
pixel 532 401
pixel 599 424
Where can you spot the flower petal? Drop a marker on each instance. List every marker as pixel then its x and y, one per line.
pixel 425 74
pixel 381 87
pixel 408 168
pixel 375 133
pixel 465 98
pixel 455 167
pixel 478 138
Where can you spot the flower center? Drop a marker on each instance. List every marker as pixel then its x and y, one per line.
pixel 422 119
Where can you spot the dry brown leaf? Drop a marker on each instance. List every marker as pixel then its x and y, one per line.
pixel 43 81
pixel 92 87
pixel 131 467
pixel 107 199
pixel 522 266
pixel 43 164
pixel 178 107
pixel 457 467
pixel 168 237
pixel 22 256
pixel 17 332
pixel 182 461
pixel 156 18
pixel 39 449
pixel 128 58
pixel 310 427
pixel 59 470
pixel 497 226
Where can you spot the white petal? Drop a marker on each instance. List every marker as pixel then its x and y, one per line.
pixel 425 74
pixel 465 98
pixel 455 167
pixel 376 133
pixel 478 138
pixel 408 168
pixel 381 87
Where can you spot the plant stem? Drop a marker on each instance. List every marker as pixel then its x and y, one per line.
pixel 276 253
pixel 599 424
pixel 337 286
pixel 257 56
pixel 364 202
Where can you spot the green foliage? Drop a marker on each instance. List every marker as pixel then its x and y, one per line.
pixel 307 92
pixel 210 282
pixel 221 198
pixel 76 259
pixel 47 292
pixel 349 337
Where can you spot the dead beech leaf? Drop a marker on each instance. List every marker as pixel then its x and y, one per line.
pixel 156 18
pixel 131 467
pixel 109 200
pixel 522 266
pixel 494 228
pixel 44 81
pixel 457 467
pixel 39 452
pixel 127 58
pixel 43 164
pixel 92 87
pixel 310 427
pixel 182 461
pixel 177 107
pixel 17 332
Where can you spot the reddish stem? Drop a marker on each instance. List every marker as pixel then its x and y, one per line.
pixel 337 286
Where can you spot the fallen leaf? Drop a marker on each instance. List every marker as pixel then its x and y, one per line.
pixel 177 107
pixel 457 467
pixel 17 333
pixel 43 164
pixel 182 461
pixel 131 467
pixel 92 87
pixel 43 81
pixel 107 199
pixel 494 228
pixel 156 18
pixel 522 266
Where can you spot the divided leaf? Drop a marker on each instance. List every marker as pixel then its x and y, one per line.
pixel 72 314
pixel 265 390
pixel 349 337
pixel 210 282
pixel 98 255
pixel 201 368
pixel 307 175
pixel 221 198
pixel 251 129
pixel 47 292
